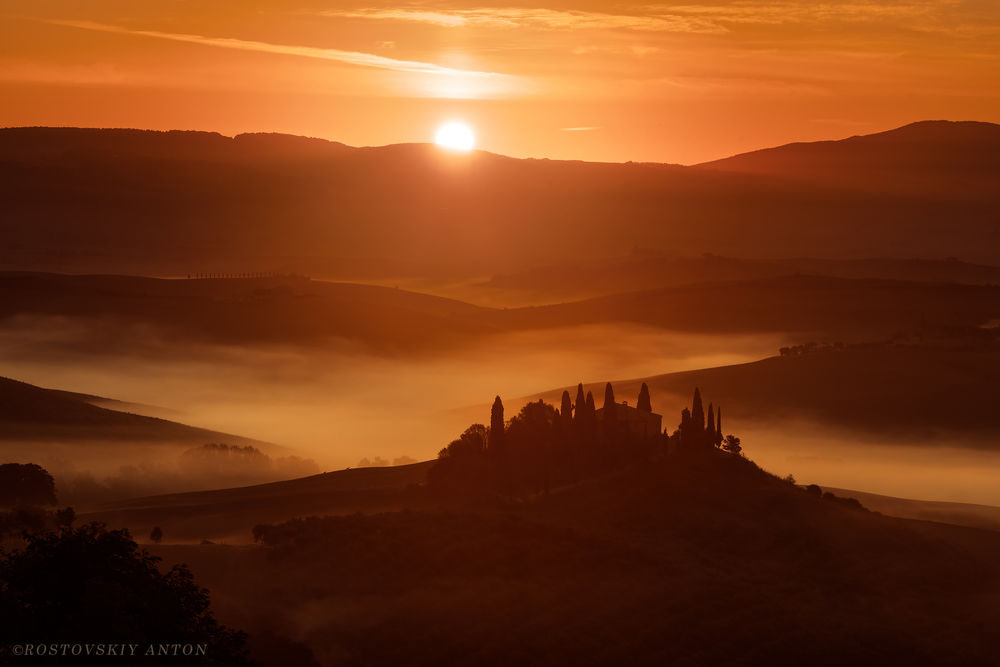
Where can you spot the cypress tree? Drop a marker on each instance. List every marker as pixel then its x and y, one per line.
pixel 710 428
pixel 697 413
pixel 609 406
pixel 718 424
pixel 685 427
pixel 496 424
pixel 581 403
pixel 566 409
pixel 591 406
pixel 644 403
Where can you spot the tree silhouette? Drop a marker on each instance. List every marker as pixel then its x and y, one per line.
pixel 710 427
pixel 581 403
pixel 565 409
pixel 685 430
pixel 92 582
pixel 26 484
pixel 496 425
pixel 65 517
pixel 156 535
pixel 732 445
pixel 644 403
pixel 697 414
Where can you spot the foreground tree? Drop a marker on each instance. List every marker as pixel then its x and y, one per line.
pixel 732 444
pixel 23 484
pixel 90 582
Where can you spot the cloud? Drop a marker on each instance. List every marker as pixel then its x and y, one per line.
pixel 587 128
pixel 707 18
pixel 337 55
pixel 538 18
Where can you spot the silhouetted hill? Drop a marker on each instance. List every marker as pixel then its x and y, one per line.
pixel 104 311
pixel 547 284
pixel 237 311
pixel 700 560
pixel 813 305
pixel 924 389
pixel 30 413
pixel 128 201
pixel 232 513
pixel 939 157
pixel 959 514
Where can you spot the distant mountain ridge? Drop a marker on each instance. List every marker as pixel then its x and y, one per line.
pixel 942 156
pixel 169 203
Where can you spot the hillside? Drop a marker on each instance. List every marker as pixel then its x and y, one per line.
pixel 34 414
pixel 700 560
pixel 939 157
pixel 126 201
pixel 959 514
pixel 571 282
pixel 921 388
pixel 800 305
pixel 123 313
pixel 230 514
pixel 285 309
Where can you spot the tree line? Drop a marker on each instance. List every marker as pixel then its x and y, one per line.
pixel 543 446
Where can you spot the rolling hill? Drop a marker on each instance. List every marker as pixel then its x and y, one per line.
pixel 231 514
pixel 173 203
pixel 702 560
pixel 34 414
pixel 108 311
pixel 939 157
pixel 558 283
pixel 930 389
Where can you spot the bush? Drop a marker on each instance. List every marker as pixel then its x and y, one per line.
pixel 90 582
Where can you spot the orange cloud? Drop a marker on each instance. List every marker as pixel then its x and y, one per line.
pixel 348 57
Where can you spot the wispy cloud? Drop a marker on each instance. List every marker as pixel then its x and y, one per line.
pixel 706 18
pixel 539 18
pixel 586 128
pixel 337 55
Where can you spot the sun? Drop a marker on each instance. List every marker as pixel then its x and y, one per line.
pixel 455 136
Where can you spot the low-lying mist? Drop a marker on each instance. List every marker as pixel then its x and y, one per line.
pixel 936 468
pixel 338 406
pixel 341 407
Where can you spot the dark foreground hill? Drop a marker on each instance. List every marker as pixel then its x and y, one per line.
pixel 689 560
pixel 169 203
pixel 230 514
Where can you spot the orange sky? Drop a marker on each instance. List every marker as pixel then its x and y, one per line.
pixel 583 80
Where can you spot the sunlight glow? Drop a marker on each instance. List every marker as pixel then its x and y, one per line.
pixel 455 136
